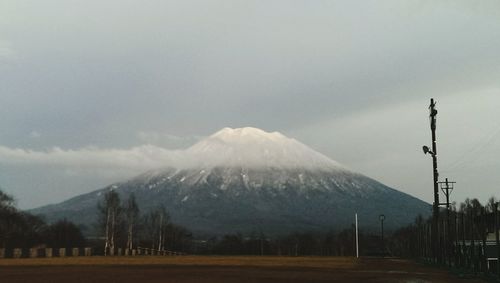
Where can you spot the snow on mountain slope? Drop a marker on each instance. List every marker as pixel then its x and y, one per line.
pixel 254 148
pixel 253 158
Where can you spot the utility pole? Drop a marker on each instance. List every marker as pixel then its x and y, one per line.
pixel 435 207
pixel 447 188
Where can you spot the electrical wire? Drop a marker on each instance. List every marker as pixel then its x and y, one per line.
pixel 472 155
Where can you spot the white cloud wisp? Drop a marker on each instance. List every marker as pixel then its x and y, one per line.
pixel 142 157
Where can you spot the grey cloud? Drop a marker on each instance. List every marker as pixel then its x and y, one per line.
pixel 7 52
pixel 98 73
pixel 35 134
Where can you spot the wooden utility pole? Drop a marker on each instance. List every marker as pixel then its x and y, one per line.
pixel 447 188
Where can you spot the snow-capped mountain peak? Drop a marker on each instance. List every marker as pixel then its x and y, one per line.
pixel 247 134
pixel 254 148
pixel 238 180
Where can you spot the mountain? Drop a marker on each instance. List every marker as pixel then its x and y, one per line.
pixel 247 180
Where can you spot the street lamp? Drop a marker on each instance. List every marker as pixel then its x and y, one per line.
pixel 382 218
pixel 426 150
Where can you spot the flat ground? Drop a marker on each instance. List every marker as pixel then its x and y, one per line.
pixel 219 269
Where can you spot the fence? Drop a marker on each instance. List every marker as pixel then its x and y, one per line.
pixel 44 252
pixel 75 252
pixel 466 240
pixel 146 251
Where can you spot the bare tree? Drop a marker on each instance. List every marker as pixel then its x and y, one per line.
pixel 132 213
pixel 490 206
pixel 6 201
pixel 156 224
pixel 110 212
pixel 163 220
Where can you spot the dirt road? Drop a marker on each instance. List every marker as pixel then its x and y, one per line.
pixel 219 270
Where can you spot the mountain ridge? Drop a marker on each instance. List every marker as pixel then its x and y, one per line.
pixel 242 180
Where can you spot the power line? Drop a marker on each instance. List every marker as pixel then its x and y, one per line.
pixel 473 153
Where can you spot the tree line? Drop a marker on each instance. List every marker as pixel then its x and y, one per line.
pixel 20 229
pixel 122 224
pixel 332 243
pixel 467 235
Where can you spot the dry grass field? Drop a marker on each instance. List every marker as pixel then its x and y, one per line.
pixel 219 269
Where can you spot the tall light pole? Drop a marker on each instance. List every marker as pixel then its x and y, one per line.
pixel 357 236
pixel 435 207
pixel 382 218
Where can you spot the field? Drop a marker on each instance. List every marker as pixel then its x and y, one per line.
pixel 219 269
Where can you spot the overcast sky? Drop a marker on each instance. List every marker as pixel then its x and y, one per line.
pixel 93 92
